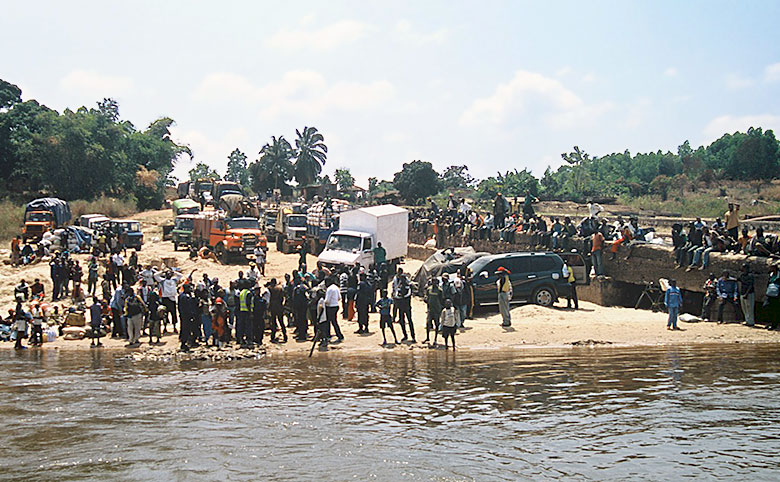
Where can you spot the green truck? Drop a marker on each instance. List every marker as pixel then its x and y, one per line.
pixel 181 235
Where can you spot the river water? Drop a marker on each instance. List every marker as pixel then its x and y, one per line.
pixel 585 413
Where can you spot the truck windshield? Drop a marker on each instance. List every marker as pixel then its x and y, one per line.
pixel 184 223
pixel 243 223
pixel 343 242
pixel 296 221
pixel 38 217
pixel 132 227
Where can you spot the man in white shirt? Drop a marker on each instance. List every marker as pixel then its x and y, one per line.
pixel 169 285
pixel 260 259
pixel 332 298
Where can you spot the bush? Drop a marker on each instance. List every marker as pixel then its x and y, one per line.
pixel 108 206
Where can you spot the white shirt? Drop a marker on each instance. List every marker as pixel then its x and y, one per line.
pixel 332 296
pixel 148 276
pixel 594 209
pixel 449 317
pixel 118 259
pixel 321 313
pixel 169 286
pixel 464 207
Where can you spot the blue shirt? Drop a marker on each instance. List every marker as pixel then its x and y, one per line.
pixel 384 306
pixel 727 288
pixel 673 298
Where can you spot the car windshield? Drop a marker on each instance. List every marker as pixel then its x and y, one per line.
pixel 478 264
pixel 38 217
pixel 296 221
pixel 243 223
pixel 344 242
pixel 184 223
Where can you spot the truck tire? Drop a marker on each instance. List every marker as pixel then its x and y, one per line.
pixel 221 253
pixel 544 296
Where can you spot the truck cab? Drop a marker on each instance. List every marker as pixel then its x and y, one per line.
pixel 228 237
pixel 36 223
pixel 348 248
pixel 269 224
pixel 290 230
pixel 222 188
pixel 128 232
pixel 181 235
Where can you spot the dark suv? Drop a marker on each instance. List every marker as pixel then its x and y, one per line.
pixel 536 277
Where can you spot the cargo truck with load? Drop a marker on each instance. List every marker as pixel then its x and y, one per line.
pixel 230 238
pixel 360 231
pixel 290 228
pixel 43 215
pixel 321 220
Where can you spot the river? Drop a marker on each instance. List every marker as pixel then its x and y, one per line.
pixel 602 413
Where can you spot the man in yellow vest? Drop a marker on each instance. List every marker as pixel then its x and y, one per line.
pixel 244 309
pixel 504 285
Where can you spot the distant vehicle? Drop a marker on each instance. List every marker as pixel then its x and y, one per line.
pixel 223 188
pixel 359 232
pixel 185 206
pixel 321 220
pixel 92 221
pixel 537 277
pixel 290 228
pixel 200 191
pixel 181 234
pixel 129 233
pixel 42 215
pixel 270 224
pixel 228 237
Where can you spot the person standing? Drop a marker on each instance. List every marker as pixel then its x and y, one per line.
pixel 277 311
pixel 404 303
pixel 504 285
pixel 302 253
pixel 772 298
pixel 449 323
pixel 710 297
pixel 20 325
pixel 36 339
pixel 244 312
pixel 134 313
pixel 260 259
pixel 117 305
pixel 168 293
pixel 732 221
pixel 259 306
pixel 188 311
pixel 380 256
pixel 219 323
pixel 571 297
pixel 434 300
pixel 384 306
pixel 596 251
pixel 300 303
pixel 727 294
pixel 332 297
pixel 92 275
pixel 500 208
pixel 95 322
pixel 747 294
pixel 363 301
pixel 343 291
pixel 673 302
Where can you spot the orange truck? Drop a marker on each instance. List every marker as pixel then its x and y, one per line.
pixel 42 215
pixel 230 238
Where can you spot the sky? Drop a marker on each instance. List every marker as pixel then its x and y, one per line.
pixel 493 85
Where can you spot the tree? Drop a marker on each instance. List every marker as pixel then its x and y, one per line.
pixel 373 183
pixel 579 162
pixel 237 170
pixel 511 184
pixel 344 179
pixel 203 171
pixel 661 185
pixel 274 168
pixel 10 94
pixel 457 177
pixel 311 153
pixel 416 181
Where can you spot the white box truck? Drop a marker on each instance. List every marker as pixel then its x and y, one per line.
pixel 359 232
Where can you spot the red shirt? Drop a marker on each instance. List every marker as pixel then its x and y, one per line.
pixel 598 241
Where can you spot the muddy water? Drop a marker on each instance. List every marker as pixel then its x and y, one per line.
pixel 605 413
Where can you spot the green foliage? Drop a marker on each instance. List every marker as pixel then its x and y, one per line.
pixel 274 168
pixel 311 153
pixel 203 171
pixel 237 170
pixel 11 215
pixel 457 177
pixel 344 179
pixel 660 185
pixel 416 181
pixel 82 154
pixel 511 184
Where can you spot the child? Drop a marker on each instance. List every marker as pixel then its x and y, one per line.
pixel 385 319
pixel 449 323
pixel 673 302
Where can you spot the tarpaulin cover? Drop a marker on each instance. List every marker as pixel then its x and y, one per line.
pixel 58 207
pixel 440 262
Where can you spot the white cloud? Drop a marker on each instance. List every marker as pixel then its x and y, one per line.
pixel 728 124
pixel 670 72
pixel 302 92
pixel 536 96
pixel 325 38
pixel 736 81
pixel 772 72
pixel 405 32
pixel 90 82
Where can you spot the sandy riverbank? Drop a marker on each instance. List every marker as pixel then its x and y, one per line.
pixel 532 325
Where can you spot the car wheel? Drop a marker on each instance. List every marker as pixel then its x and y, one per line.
pixel 544 296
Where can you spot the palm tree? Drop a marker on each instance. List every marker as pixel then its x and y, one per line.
pixel 274 167
pixel 311 153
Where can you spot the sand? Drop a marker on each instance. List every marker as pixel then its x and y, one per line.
pixel 532 326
